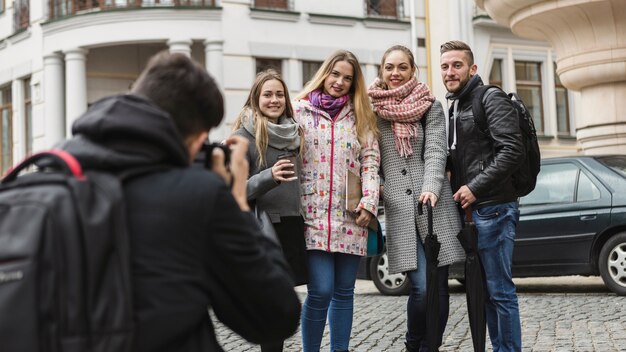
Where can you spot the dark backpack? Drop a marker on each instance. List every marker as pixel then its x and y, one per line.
pixel 525 178
pixel 65 279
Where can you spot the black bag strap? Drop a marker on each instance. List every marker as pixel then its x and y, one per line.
pixel 478 108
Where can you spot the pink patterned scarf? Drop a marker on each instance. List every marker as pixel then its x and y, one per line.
pixel 404 107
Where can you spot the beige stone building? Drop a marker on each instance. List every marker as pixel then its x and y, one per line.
pixel 589 41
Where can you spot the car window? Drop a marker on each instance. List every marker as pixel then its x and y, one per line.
pixel 586 189
pixel 615 162
pixel 556 183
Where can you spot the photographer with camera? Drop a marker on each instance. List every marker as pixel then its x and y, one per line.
pixel 195 245
pixel 266 121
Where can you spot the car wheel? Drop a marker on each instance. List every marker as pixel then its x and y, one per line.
pixel 388 284
pixel 612 263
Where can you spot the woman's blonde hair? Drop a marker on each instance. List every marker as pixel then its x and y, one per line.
pixel 365 117
pixel 251 108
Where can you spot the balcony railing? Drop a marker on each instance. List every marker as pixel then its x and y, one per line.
pixel 383 8
pixel 21 15
pixel 280 5
pixel 64 8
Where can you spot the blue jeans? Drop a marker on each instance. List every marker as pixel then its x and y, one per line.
pixel 496 234
pixel 416 338
pixel 331 284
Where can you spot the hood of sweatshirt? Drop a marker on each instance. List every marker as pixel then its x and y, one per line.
pixel 125 131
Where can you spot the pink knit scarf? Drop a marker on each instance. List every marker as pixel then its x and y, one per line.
pixel 404 107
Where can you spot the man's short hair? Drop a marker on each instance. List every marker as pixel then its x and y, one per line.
pixel 184 89
pixel 458 45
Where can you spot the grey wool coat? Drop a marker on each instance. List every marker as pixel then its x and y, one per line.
pixel 404 180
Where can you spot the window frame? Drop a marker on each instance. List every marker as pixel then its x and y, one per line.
pixel 374 10
pixel 319 64
pixel 558 86
pixel 6 103
pixel 524 83
pixel 277 5
pixel 258 68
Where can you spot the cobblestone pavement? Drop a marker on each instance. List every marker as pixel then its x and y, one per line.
pixel 553 319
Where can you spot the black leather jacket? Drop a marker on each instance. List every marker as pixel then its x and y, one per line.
pixel 483 161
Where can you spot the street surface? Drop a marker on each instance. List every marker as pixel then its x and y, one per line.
pixel 563 314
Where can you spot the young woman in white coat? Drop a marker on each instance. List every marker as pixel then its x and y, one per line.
pixel 340 136
pixel 266 120
pixel 400 102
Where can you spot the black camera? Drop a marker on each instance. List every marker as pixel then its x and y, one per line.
pixel 206 152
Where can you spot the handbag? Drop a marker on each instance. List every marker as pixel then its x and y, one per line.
pixel 375 240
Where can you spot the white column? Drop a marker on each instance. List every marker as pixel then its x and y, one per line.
pixel 54 119
pixel 550 121
pixel 370 74
pixel 214 57
pixel 294 75
pixel 181 46
pixel 75 86
pixel 511 85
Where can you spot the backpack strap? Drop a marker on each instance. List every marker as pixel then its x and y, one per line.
pixel 49 158
pixel 478 108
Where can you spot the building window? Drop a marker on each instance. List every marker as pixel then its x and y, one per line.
pixel 264 64
pixel 495 76
pixel 21 15
pixel 308 70
pixel 62 8
pixel 28 117
pixel 272 4
pixel 382 8
pixel 562 106
pixel 6 129
pixel 528 83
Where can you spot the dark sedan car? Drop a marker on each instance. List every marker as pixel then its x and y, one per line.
pixel 573 223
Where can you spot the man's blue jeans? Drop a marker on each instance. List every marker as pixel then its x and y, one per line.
pixel 417 305
pixel 496 234
pixel 331 284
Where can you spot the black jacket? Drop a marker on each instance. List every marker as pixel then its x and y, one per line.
pixel 192 248
pixel 483 161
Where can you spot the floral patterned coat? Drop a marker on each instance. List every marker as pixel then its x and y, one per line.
pixel 331 148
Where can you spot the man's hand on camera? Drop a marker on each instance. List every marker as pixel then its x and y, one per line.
pixel 239 169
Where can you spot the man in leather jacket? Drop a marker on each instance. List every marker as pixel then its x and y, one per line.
pixel 482 164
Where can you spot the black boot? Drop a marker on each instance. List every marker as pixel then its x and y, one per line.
pixel 410 349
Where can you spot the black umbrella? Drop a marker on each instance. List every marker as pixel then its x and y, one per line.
pixel 475 289
pixel 431 249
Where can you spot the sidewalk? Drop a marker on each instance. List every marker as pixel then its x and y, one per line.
pixel 558 314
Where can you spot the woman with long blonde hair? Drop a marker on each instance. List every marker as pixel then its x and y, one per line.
pixel 340 137
pixel 266 120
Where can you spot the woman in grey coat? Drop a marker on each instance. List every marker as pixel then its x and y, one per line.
pixel 400 102
pixel 266 120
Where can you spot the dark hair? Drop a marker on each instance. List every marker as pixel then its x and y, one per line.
pixel 184 89
pixel 458 45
